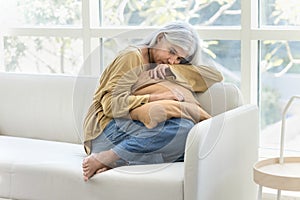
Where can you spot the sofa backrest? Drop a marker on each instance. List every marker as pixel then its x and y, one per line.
pixel 52 107
pixel 220 98
pixel 44 106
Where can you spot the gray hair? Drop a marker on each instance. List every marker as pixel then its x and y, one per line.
pixel 182 35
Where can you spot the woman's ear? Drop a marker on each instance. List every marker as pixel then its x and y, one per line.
pixel 159 37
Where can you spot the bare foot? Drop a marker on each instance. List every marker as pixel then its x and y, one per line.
pixel 97 163
pixel 91 166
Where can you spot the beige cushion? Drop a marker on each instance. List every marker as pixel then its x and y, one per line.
pixel 155 112
pixel 37 169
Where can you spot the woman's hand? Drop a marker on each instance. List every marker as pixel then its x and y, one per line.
pixel 160 71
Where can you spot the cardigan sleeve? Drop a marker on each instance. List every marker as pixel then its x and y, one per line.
pixel 115 94
pixel 198 78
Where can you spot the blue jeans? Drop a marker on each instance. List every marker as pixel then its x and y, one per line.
pixel 136 144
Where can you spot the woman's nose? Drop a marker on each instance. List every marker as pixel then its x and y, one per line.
pixel 173 59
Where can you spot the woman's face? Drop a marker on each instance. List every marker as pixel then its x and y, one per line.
pixel 165 53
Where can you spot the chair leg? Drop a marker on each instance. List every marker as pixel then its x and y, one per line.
pixel 278 194
pixel 259 194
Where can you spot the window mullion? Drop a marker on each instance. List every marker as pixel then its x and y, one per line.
pixel 86 39
pixel 2 52
pixel 249 52
pixel 101 41
pixel 43 32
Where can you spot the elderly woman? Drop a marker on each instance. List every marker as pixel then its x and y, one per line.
pixel 114 131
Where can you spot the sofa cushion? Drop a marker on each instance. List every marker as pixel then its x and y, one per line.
pixel 48 107
pixel 188 108
pixel 27 99
pixel 220 97
pixel 39 169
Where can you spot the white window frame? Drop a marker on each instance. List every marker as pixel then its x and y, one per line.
pixel 248 34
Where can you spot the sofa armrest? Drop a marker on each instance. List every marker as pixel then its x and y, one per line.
pixel 219 156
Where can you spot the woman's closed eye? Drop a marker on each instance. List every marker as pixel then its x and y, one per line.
pixel 184 61
pixel 174 53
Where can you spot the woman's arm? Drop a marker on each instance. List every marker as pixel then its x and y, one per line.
pixel 199 78
pixel 114 92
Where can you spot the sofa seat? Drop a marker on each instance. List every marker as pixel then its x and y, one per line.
pixel 30 168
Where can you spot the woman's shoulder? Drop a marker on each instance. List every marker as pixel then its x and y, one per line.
pixel 131 51
pixel 128 57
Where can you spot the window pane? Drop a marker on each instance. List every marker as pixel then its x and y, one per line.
pixel 42 55
pixel 41 12
pixel 223 54
pixel 226 56
pixel 280 12
pixel 147 12
pixel 280 77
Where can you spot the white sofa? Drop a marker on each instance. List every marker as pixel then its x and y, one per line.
pixel 41 152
